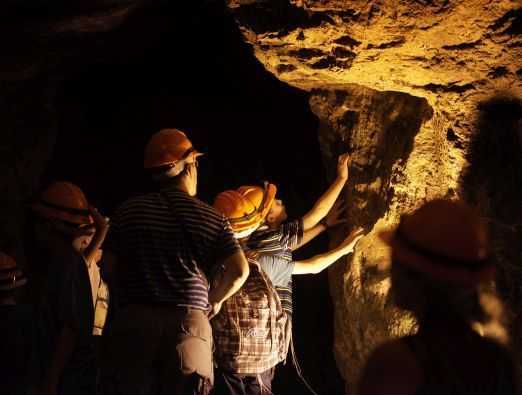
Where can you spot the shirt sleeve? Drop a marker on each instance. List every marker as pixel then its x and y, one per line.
pixel 291 233
pixel 279 271
pixel 226 243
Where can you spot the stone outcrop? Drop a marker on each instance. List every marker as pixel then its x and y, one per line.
pixel 398 84
pixel 405 86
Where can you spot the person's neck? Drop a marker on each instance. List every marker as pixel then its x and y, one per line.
pixel 175 186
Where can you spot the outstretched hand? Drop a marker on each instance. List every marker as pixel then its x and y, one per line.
pixel 334 216
pixel 342 166
pixel 351 240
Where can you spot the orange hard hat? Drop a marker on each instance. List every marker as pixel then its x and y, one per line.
pixel 241 212
pixel 445 240
pixel 64 201
pixel 167 147
pixel 261 198
pixel 11 276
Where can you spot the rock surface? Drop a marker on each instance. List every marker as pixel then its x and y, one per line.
pixel 399 85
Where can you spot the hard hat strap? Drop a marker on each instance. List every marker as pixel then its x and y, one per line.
pixel 70 210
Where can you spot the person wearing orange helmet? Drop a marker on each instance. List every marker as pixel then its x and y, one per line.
pixel 442 272
pixel 250 329
pixel 275 240
pixel 162 246
pixel 62 289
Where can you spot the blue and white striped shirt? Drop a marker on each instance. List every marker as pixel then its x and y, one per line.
pixel 166 248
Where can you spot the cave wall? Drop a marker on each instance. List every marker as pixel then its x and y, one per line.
pixel 403 86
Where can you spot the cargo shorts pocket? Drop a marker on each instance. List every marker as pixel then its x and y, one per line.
pixel 195 345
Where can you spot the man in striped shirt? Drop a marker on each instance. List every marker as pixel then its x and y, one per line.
pixel 165 244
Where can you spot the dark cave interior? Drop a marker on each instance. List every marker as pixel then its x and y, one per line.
pixel 191 70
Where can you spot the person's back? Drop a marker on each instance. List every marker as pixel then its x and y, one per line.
pixel 162 245
pixel 152 235
pixel 461 364
pixel 442 273
pixel 250 329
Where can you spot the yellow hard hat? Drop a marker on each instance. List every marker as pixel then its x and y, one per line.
pixel 261 198
pixel 168 147
pixel 241 212
pixel 64 201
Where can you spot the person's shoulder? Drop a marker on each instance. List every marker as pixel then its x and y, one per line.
pixel 185 201
pixel 264 232
pixel 139 201
pixel 392 368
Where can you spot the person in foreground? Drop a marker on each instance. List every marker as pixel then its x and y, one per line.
pixel 161 247
pixel 442 273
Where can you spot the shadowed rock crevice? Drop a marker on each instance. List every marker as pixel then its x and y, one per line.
pixel 377 129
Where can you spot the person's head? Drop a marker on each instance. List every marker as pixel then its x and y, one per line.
pixel 11 278
pixel 440 261
pixel 272 210
pixel 277 214
pixel 243 215
pixel 263 198
pixel 171 159
pixel 62 211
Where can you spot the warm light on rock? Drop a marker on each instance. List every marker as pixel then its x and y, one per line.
pixel 398 85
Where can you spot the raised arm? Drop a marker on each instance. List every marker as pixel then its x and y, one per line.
pixel 101 224
pixel 320 262
pixel 333 218
pixel 327 200
pixel 234 274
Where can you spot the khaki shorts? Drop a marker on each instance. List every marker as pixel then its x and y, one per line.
pixel 156 349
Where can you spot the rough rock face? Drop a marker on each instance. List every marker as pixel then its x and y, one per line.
pixel 398 84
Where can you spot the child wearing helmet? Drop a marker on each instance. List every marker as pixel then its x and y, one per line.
pixel 276 239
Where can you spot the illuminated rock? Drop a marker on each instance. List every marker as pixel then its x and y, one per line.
pixel 398 85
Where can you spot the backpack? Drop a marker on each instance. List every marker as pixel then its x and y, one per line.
pixel 249 331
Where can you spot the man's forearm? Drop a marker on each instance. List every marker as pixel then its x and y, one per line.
pixel 95 244
pixel 234 274
pixel 323 204
pixel 226 287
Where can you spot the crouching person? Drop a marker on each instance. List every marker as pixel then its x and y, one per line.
pixel 249 332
